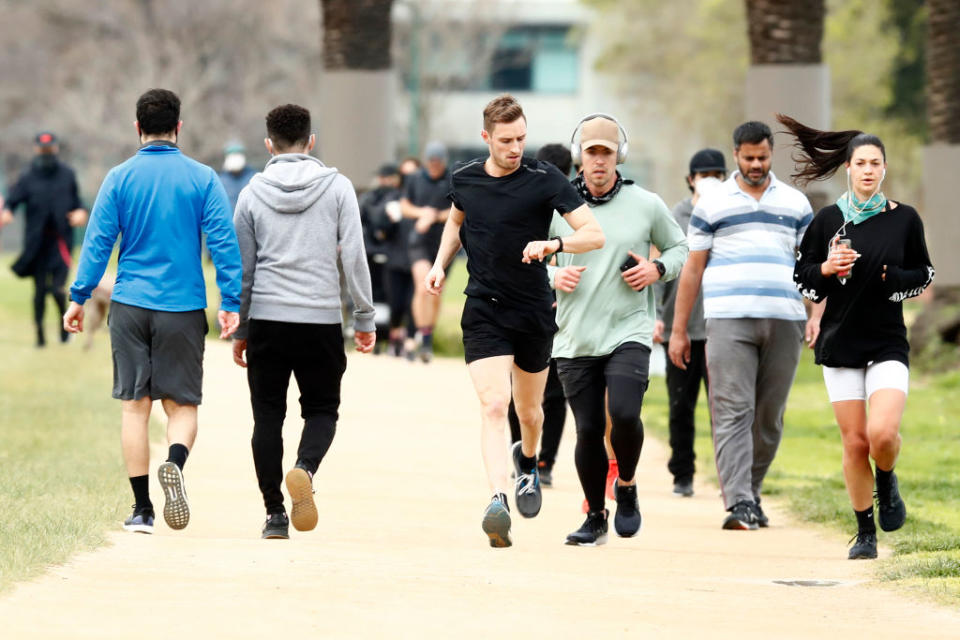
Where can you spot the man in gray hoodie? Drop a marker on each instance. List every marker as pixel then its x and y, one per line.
pixel 293 220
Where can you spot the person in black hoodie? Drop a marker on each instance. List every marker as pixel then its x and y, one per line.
pixel 48 189
pixel 864 254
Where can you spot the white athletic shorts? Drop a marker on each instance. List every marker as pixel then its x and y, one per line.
pixel 859 384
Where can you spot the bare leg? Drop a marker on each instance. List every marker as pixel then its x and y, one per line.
pixel 491 380
pixel 134 435
pixel 181 423
pixel 528 400
pixel 883 426
pixel 857 474
pixel 423 305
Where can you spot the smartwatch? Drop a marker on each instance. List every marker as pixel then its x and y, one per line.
pixel 660 268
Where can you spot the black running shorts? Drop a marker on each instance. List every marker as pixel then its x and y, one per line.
pixel 490 329
pixel 157 354
pixel 424 246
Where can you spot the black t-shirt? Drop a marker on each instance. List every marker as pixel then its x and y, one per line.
pixel 502 215
pixel 863 319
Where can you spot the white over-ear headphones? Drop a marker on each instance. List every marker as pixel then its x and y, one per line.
pixel 622 147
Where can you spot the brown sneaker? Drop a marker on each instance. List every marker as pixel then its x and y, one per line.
pixel 303 514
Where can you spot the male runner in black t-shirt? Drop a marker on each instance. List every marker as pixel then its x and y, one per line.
pixel 502 207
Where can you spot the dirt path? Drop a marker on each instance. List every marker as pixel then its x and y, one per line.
pixel 399 551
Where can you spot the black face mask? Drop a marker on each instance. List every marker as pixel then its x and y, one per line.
pixel 45 162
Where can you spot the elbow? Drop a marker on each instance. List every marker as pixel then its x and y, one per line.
pixel 599 239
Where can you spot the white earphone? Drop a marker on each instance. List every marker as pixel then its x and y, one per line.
pixel 622 147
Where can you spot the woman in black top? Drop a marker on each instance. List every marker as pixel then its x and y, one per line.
pixel 864 254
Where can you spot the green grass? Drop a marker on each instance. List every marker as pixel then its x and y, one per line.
pixel 62 482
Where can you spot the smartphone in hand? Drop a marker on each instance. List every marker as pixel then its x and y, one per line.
pixel 629 264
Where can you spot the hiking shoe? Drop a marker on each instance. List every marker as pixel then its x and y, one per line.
pixel 627 520
pixel 276 527
pixel 528 496
pixel 865 547
pixel 742 517
pixel 140 521
pixel 891 512
pixel 592 532
pixel 496 522
pixel 546 474
pixel 613 472
pixel 176 510
pixel 425 354
pixel 683 488
pixel 303 513
pixel 762 520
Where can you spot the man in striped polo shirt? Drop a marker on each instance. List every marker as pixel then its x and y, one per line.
pixel 743 237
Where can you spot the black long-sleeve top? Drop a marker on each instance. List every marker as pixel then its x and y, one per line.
pixel 863 319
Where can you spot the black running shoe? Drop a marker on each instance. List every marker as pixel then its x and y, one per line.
pixel 277 527
pixel 891 512
pixel 742 517
pixel 592 532
pixel 140 521
pixel 627 520
pixel 528 496
pixel 865 547
pixel 683 488
pixel 303 513
pixel 496 523
pixel 176 510
pixel 762 520
pixel 546 474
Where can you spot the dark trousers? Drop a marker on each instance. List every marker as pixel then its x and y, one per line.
pixel 314 354
pixel 554 416
pixel 399 296
pixel 50 280
pixel 683 390
pixel 594 385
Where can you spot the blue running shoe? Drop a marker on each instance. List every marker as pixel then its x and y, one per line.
pixel 140 521
pixel 496 522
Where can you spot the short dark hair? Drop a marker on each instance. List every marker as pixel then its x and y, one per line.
pixel 558 155
pixel 752 132
pixel 158 111
pixel 502 109
pixel 288 126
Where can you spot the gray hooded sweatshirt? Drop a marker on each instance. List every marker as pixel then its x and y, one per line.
pixel 291 220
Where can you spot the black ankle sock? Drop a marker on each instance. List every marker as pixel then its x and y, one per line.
pixel 527 465
pixel 141 492
pixel 427 335
pixel 883 478
pixel 178 455
pixel 865 522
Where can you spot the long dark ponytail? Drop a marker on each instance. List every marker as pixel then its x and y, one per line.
pixel 821 153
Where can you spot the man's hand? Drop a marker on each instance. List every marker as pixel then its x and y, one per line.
pixel 638 277
pixel 679 351
pixel 229 321
pixel 239 349
pixel 566 279
pixel 73 318
pixel 77 217
pixel 365 340
pixel 812 331
pixel 658 328
pixel 428 215
pixel 435 280
pixel 6 217
pixel 539 249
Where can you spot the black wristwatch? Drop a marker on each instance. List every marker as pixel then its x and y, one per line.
pixel 560 242
pixel 662 269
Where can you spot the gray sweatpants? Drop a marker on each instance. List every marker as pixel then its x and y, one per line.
pixel 751 363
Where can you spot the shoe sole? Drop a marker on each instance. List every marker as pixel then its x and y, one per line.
pixel 733 524
pixel 863 556
pixel 496 525
pixel 275 536
pixel 176 511
pixel 138 528
pixel 303 514
pixel 599 541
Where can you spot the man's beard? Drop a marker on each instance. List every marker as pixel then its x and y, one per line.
pixel 754 182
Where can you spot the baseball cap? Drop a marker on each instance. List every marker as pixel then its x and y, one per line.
pixel 435 151
pixel 387 170
pixel 707 160
pixel 600 131
pixel 46 139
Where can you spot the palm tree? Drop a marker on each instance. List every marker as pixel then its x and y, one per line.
pixel 785 31
pixel 356 115
pixel 943 71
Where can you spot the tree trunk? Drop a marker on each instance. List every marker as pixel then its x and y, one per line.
pixel 943 71
pixel 785 31
pixel 356 108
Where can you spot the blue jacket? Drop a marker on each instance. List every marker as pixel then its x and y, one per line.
pixel 159 202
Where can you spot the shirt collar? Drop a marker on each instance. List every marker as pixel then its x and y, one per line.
pixel 160 143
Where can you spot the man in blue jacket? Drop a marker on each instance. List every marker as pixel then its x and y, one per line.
pixel 159 202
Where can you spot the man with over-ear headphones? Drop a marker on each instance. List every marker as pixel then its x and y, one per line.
pixel 606 313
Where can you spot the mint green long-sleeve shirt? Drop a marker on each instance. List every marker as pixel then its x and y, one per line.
pixel 603 312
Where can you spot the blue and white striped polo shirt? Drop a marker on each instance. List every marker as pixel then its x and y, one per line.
pixel 753 245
